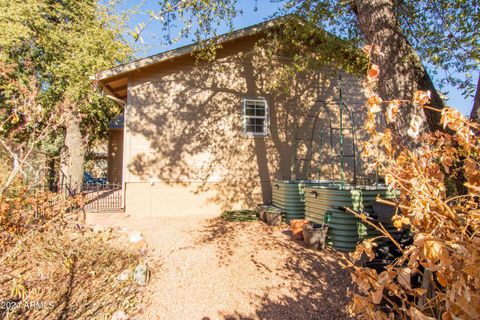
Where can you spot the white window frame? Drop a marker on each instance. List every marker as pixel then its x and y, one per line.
pixel 266 123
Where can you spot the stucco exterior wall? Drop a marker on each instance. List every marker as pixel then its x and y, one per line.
pixel 185 151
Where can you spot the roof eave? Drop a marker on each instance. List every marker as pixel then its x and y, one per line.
pixel 161 57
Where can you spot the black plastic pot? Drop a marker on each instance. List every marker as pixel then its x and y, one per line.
pixel 315 237
pixel 262 209
pixel 383 212
pixel 274 217
pixel 262 215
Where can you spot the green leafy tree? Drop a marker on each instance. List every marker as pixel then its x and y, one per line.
pixel 58 45
pixel 442 33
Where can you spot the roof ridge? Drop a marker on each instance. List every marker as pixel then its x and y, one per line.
pixel 180 51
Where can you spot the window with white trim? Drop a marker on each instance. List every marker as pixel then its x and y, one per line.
pixel 255 117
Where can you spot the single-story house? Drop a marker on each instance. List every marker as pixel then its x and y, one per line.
pixel 198 137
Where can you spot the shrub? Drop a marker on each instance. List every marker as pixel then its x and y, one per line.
pixel 438 175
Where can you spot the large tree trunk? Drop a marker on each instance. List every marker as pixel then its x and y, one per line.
pixel 73 155
pixel 475 114
pixel 401 71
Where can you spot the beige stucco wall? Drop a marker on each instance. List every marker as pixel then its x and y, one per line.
pixel 162 199
pixel 185 151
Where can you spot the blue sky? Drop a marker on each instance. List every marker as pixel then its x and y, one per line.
pixel 152 41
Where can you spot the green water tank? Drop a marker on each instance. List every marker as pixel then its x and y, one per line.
pixel 288 195
pixel 324 204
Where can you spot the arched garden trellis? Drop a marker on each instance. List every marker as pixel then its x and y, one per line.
pixel 322 201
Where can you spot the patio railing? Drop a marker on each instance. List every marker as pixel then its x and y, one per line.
pixel 102 197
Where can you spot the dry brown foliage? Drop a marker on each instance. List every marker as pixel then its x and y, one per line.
pixel 444 219
pixel 51 265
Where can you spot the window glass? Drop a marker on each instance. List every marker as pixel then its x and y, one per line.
pixel 255 116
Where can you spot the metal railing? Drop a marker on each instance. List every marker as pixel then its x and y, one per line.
pixel 98 196
pixel 102 197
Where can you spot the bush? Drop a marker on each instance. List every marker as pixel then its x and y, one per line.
pixel 438 176
pixel 51 266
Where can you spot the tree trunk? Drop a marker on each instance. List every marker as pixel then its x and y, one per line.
pixel 401 70
pixel 475 114
pixel 73 155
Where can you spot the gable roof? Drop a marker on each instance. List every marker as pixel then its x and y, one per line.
pixel 167 55
pixel 114 81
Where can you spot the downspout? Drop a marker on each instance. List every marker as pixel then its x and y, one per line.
pixel 117 100
pixel 126 144
pixel 124 104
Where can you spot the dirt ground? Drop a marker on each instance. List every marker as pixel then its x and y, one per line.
pixel 206 268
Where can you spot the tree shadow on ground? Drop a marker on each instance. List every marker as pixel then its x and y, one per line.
pixel 312 284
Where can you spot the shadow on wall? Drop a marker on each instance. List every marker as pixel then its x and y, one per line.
pixel 186 123
pixel 312 286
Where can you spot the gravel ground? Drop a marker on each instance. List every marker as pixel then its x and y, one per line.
pixel 207 268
